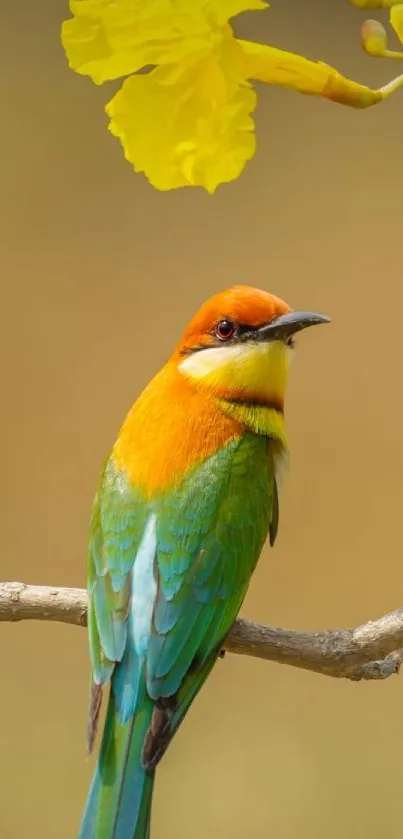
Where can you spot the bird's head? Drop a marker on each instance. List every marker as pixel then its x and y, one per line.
pixel 238 348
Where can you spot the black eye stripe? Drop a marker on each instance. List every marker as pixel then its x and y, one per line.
pixel 242 332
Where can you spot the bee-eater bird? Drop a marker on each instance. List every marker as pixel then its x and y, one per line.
pixel 184 505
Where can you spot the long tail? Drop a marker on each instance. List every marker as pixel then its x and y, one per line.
pixel 119 801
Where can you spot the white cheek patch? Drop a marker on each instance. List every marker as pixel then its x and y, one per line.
pixel 203 363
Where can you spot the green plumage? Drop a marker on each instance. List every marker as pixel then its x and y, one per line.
pixel 166 580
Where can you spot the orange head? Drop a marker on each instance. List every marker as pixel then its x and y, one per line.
pixel 239 348
pixel 228 374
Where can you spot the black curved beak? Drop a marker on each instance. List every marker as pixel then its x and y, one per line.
pixel 286 325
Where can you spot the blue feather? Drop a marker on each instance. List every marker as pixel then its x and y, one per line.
pixel 119 802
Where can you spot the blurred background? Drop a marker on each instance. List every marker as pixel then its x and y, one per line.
pixel 100 273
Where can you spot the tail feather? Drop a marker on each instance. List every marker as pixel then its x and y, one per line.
pixel 119 801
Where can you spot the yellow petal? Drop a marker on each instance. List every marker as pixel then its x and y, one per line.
pixel 107 39
pixel 285 69
pixel 195 132
pixel 88 43
pixel 396 19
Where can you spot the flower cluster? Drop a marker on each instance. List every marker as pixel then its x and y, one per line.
pixel 186 120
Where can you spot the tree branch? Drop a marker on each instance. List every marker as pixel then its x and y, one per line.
pixel 373 650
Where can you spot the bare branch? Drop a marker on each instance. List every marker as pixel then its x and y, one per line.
pixel 373 650
pixel 20 602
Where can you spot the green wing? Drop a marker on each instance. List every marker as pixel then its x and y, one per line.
pixel 210 533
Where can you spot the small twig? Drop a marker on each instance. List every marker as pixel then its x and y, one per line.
pixel 373 650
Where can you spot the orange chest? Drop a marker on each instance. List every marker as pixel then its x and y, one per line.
pixel 170 429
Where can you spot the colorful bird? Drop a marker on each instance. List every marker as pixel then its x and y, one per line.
pixel 184 505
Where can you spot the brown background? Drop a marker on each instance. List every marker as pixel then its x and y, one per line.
pixel 99 275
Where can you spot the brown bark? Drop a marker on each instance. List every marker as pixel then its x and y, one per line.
pixel 373 650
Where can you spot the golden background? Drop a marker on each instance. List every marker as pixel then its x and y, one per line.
pixel 100 274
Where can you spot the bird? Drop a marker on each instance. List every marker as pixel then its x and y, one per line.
pixel 185 503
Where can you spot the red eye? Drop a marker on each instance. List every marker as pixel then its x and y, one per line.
pixel 224 330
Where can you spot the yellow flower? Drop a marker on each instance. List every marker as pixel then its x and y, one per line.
pixel 186 120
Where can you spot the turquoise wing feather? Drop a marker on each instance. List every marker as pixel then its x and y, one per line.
pixel 117 525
